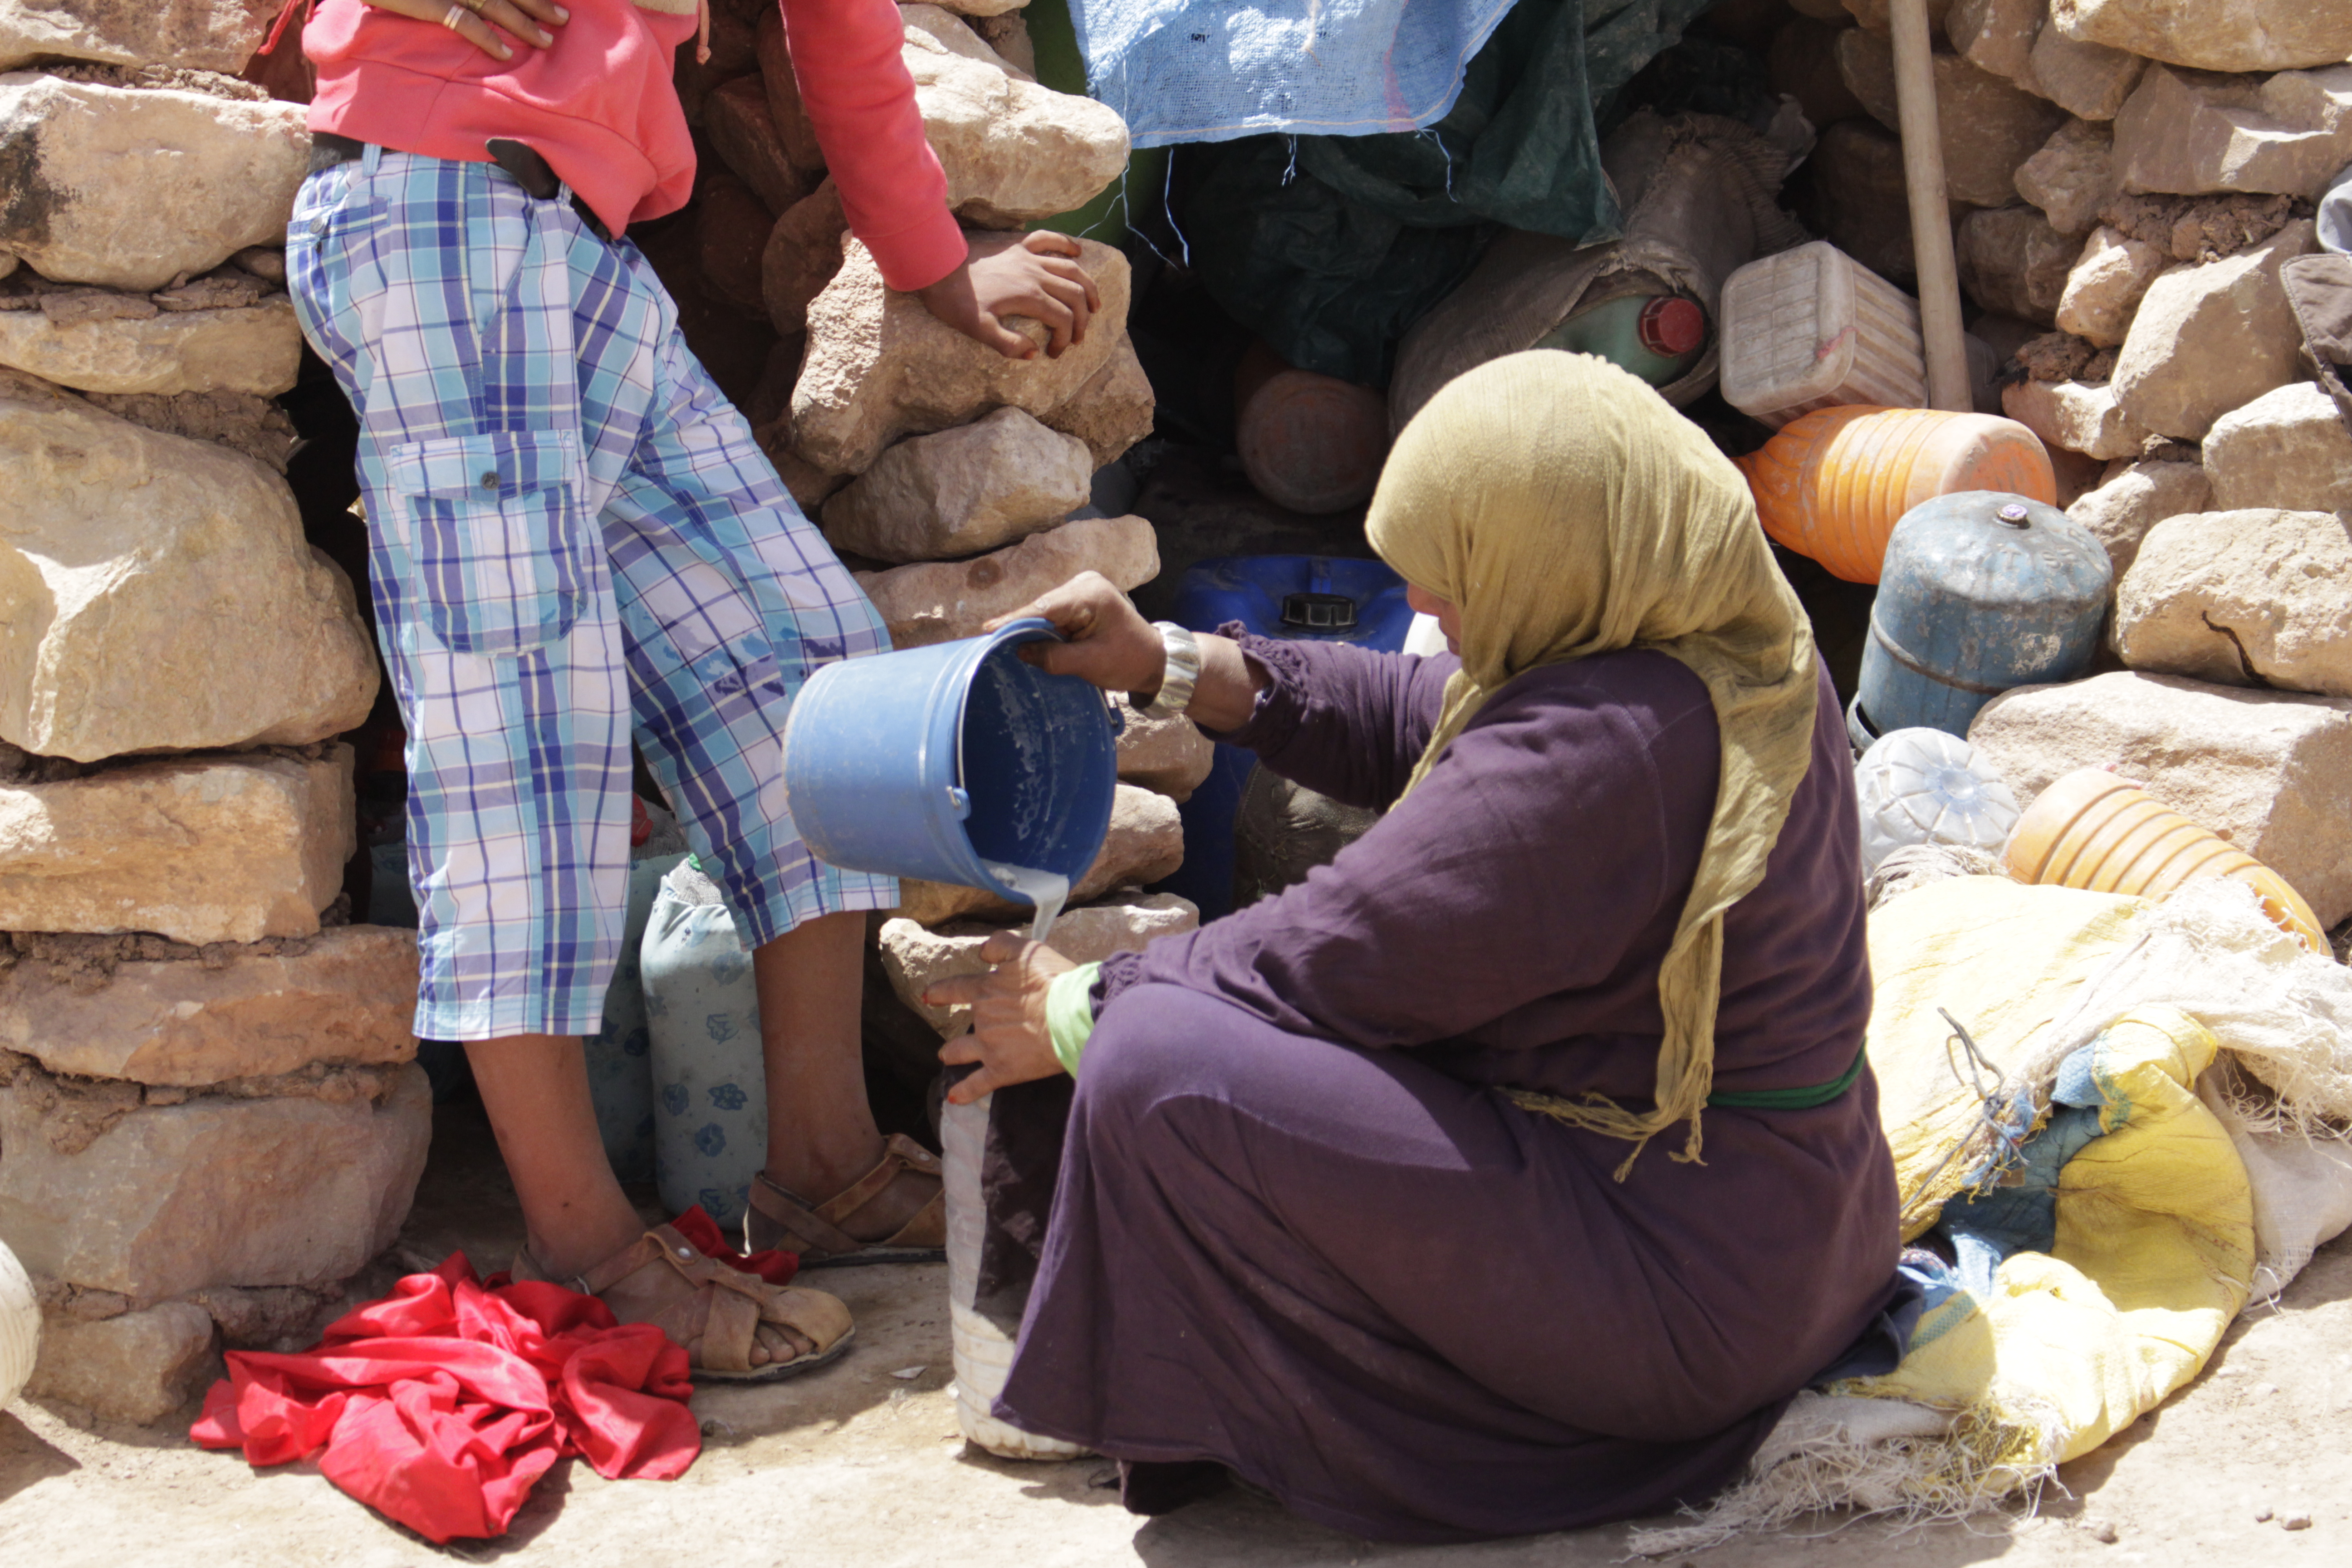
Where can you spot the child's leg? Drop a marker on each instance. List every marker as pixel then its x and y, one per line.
pixel 535 1088
pixel 729 599
pixel 821 1132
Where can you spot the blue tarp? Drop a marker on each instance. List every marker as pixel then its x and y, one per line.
pixel 1209 70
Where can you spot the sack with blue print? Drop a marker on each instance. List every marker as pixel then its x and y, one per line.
pixel 620 1054
pixel 702 1021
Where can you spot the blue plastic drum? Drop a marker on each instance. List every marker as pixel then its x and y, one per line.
pixel 929 761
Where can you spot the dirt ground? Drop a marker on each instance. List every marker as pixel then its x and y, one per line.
pixel 858 1467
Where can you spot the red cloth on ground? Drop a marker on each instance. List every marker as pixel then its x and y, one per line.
pixel 774 1266
pixel 442 1405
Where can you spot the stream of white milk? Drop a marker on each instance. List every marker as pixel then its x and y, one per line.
pixel 1047 889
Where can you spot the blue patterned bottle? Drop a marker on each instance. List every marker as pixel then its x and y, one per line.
pixel 702 1018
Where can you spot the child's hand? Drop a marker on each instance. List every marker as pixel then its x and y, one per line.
pixel 1010 274
pixel 481 23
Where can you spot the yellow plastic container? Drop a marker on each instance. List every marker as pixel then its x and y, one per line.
pixel 1833 484
pixel 2092 830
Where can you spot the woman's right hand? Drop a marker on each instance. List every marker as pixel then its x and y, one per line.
pixel 1110 643
pixel 526 19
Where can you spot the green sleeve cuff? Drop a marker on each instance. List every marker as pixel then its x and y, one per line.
pixel 1070 1013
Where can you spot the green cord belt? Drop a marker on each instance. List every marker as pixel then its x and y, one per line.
pixel 1803 1098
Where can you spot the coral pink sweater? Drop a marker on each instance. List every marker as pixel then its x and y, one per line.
pixel 600 107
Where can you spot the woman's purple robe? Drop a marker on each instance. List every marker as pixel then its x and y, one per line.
pixel 1295 1231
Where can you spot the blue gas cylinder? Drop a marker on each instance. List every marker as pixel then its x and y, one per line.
pixel 1980 591
pixel 1317 598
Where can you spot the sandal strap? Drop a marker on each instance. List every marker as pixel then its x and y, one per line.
pixel 929 1224
pixel 815 1229
pixel 900 1154
pixel 527 1268
pixel 726 1307
pixel 804 1232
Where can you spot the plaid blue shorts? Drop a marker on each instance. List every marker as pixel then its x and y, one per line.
pixel 573 539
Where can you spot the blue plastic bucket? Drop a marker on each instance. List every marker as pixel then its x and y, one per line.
pixel 929 761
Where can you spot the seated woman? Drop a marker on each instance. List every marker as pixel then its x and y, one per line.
pixel 1352 1194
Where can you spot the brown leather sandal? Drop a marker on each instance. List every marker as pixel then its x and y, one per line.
pixel 779 1217
pixel 717 1319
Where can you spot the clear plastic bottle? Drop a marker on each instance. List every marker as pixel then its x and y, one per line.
pixel 1924 786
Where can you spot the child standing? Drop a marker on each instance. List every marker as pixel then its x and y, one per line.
pixel 574 542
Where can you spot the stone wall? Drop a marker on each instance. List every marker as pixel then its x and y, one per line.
pixel 209 1112
pixel 2129 177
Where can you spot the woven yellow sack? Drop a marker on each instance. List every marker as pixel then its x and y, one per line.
pixel 2006 961
pixel 2152 1257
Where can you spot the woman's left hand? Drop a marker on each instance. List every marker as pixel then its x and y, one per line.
pixel 1009 1038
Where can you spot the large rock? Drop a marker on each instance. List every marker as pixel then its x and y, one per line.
pixel 2120 511
pixel 87 199
pixel 240 421
pixel 2287 449
pixel 1113 410
pixel 2014 262
pixel 1167 756
pixel 2211 338
pixel 2106 286
pixel 2213 35
pixel 1997 36
pixel 2185 135
pixel 195 35
pixel 2013 39
pixel 138 1367
pixel 346 995
pixel 880 366
pixel 254 350
pixel 2073 177
pixel 2242 598
pixel 2077 416
pixel 742 131
pixel 962 491
pixel 159 1199
pixel 1860 202
pixel 1146 842
pixel 1988 126
pixel 917 959
pixel 791 121
pixel 946 25
pixel 732 226
pixel 198 849
pixel 1802 62
pixel 2270 771
pixel 802 254
pixel 939 601
pixel 2088 79
pixel 1013 151
pixel 160 593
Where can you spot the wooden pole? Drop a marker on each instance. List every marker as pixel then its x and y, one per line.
pixel 1931 222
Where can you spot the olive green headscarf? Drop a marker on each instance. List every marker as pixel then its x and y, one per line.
pixel 1568 511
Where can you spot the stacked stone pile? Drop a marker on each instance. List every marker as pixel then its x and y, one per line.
pixel 209 1113
pixel 2164 161
pixel 957 481
pixel 2128 179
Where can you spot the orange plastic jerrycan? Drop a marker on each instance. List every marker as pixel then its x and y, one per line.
pixel 1833 484
pixel 2090 829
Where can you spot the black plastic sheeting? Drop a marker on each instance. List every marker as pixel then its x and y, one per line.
pixel 1330 246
